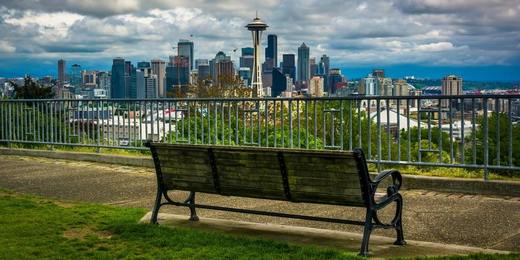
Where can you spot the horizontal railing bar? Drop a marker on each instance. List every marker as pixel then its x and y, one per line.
pixel 423 97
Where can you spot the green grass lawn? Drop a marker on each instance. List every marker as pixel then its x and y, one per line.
pixel 33 227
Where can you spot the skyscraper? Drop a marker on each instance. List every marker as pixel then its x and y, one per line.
pixel 220 56
pixel 143 64
pixel 247 59
pixel 256 27
pixel 159 69
pixel 245 74
pixel 117 80
pixel 335 77
pixel 75 76
pixel 369 86
pixel 288 65
pixel 279 82
pixel 271 52
pixel 185 48
pixel 313 67
pixel 303 67
pixel 178 73
pixel 325 62
pixel 61 77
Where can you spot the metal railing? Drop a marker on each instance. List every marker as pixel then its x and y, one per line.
pixel 467 131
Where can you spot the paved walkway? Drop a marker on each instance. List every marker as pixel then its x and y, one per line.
pixel 481 221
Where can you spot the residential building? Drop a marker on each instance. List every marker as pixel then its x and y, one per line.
pixel 451 85
pixel 316 87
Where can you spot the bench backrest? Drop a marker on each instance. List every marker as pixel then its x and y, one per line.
pixel 330 177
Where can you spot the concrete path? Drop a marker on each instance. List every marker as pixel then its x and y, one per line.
pixel 380 246
pixel 470 220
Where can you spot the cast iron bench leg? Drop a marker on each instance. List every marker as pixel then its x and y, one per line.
pixel 366 233
pixel 156 207
pixel 399 223
pixel 191 201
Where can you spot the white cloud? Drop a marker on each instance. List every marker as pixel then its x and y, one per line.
pixel 438 46
pixel 6 47
pixel 372 32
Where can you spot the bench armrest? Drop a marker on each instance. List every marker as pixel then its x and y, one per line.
pixel 397 179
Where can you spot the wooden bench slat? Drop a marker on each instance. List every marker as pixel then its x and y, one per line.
pixel 320 182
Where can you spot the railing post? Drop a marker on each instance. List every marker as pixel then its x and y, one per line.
pixel 485 141
pixel 98 143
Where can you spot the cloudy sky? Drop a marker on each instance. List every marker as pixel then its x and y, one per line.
pixel 477 39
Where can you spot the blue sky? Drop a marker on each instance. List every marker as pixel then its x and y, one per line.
pixel 478 39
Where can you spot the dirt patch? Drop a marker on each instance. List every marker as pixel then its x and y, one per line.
pixel 64 204
pixel 81 233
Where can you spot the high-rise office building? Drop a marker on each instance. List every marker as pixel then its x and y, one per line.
pixel 103 82
pixel 271 51
pixel 335 77
pixel 117 81
pixel 369 86
pixel 225 70
pixel 245 74
pixel 178 73
pixel 203 70
pixel 288 65
pixel 202 66
pixel 303 67
pixel 313 67
pixel 279 82
pixel 131 77
pixel 220 56
pixel 247 58
pixel 61 77
pixel 267 73
pixel 199 62
pixel 185 48
pixel 75 76
pixel 146 83
pixel 451 85
pixel 143 64
pixel 159 69
pixel 325 63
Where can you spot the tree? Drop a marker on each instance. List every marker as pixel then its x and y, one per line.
pixel 494 144
pixel 31 90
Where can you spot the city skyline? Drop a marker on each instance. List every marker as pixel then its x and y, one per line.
pixel 425 38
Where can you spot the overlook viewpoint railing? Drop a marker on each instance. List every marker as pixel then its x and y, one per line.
pixel 467 131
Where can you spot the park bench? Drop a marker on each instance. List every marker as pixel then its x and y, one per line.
pixel 310 176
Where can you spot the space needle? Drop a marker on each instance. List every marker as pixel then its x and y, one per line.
pixel 256 27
